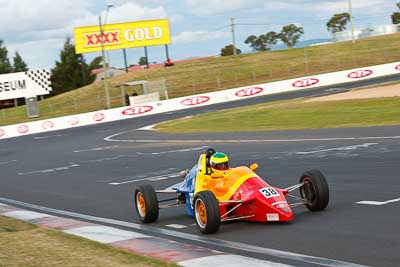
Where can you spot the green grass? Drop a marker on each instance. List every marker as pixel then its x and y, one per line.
pixel 293 114
pixel 225 72
pixel 23 244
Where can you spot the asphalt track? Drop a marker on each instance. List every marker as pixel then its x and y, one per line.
pixel 79 171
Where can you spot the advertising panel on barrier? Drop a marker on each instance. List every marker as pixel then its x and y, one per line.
pixel 360 74
pixel 305 82
pixel 25 84
pixel 137 110
pixel 250 91
pixel 122 35
pixel 195 100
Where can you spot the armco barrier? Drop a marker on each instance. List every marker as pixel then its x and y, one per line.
pixel 102 116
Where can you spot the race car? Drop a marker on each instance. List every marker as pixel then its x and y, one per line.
pixel 238 194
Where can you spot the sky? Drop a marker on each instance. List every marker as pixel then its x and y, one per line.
pixel 37 29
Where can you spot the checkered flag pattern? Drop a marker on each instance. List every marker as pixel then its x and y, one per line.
pixel 40 77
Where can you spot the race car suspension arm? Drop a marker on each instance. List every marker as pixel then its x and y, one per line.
pixel 170 205
pixel 293 187
pixel 302 201
pixel 232 209
pixel 237 218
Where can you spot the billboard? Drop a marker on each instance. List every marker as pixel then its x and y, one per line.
pixel 122 35
pixel 25 84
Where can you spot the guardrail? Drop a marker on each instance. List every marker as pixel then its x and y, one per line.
pixel 234 94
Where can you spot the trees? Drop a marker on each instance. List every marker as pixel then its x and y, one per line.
pixel 396 15
pixel 5 65
pixel 291 34
pixel 96 63
pixel 71 71
pixel 228 50
pixel 338 22
pixel 142 61
pixel 262 42
pixel 19 63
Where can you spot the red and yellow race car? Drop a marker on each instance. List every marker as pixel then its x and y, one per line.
pixel 235 194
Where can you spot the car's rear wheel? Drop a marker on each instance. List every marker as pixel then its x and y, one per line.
pixel 315 190
pixel 146 203
pixel 206 212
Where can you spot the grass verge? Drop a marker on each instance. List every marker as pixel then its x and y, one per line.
pixel 219 73
pixel 24 244
pixel 292 114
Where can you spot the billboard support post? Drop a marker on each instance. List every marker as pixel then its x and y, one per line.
pixel 125 60
pixel 105 67
pixel 146 55
pixel 167 51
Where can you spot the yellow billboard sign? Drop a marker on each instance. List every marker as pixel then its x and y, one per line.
pixel 122 35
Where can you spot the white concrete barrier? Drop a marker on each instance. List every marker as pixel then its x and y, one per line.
pixel 234 94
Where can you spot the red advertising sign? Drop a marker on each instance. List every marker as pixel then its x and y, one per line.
pixel 360 74
pixel 99 116
pixel 94 39
pixel 2 132
pixel 73 121
pixel 305 82
pixel 249 91
pixel 398 67
pixel 47 125
pixel 133 111
pixel 196 100
pixel 22 129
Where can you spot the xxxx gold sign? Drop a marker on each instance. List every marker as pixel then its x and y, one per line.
pixel 122 35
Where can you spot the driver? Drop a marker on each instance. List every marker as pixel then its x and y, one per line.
pixel 219 163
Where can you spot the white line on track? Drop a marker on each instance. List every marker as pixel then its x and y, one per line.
pixel 176 226
pixel 378 203
pixel 344 148
pixel 51 170
pixel 96 149
pixel 201 239
pixel 47 137
pixel 8 162
pixel 153 178
pixel 111 139
pixel 229 261
pixel 105 159
pixel 173 151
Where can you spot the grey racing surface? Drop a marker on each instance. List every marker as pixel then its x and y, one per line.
pixel 77 170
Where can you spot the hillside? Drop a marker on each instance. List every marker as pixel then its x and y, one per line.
pixel 218 73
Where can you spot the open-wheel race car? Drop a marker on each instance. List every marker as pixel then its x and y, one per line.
pixel 237 194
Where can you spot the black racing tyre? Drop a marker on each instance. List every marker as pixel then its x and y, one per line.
pixel 146 203
pixel 315 190
pixel 206 212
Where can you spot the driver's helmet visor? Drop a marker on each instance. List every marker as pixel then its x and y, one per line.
pixel 223 166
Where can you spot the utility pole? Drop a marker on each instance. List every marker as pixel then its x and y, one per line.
pixel 351 21
pixel 233 36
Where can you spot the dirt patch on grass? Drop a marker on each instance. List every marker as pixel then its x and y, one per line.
pixel 376 92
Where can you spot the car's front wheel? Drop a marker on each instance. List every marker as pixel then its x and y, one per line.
pixel 315 190
pixel 206 212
